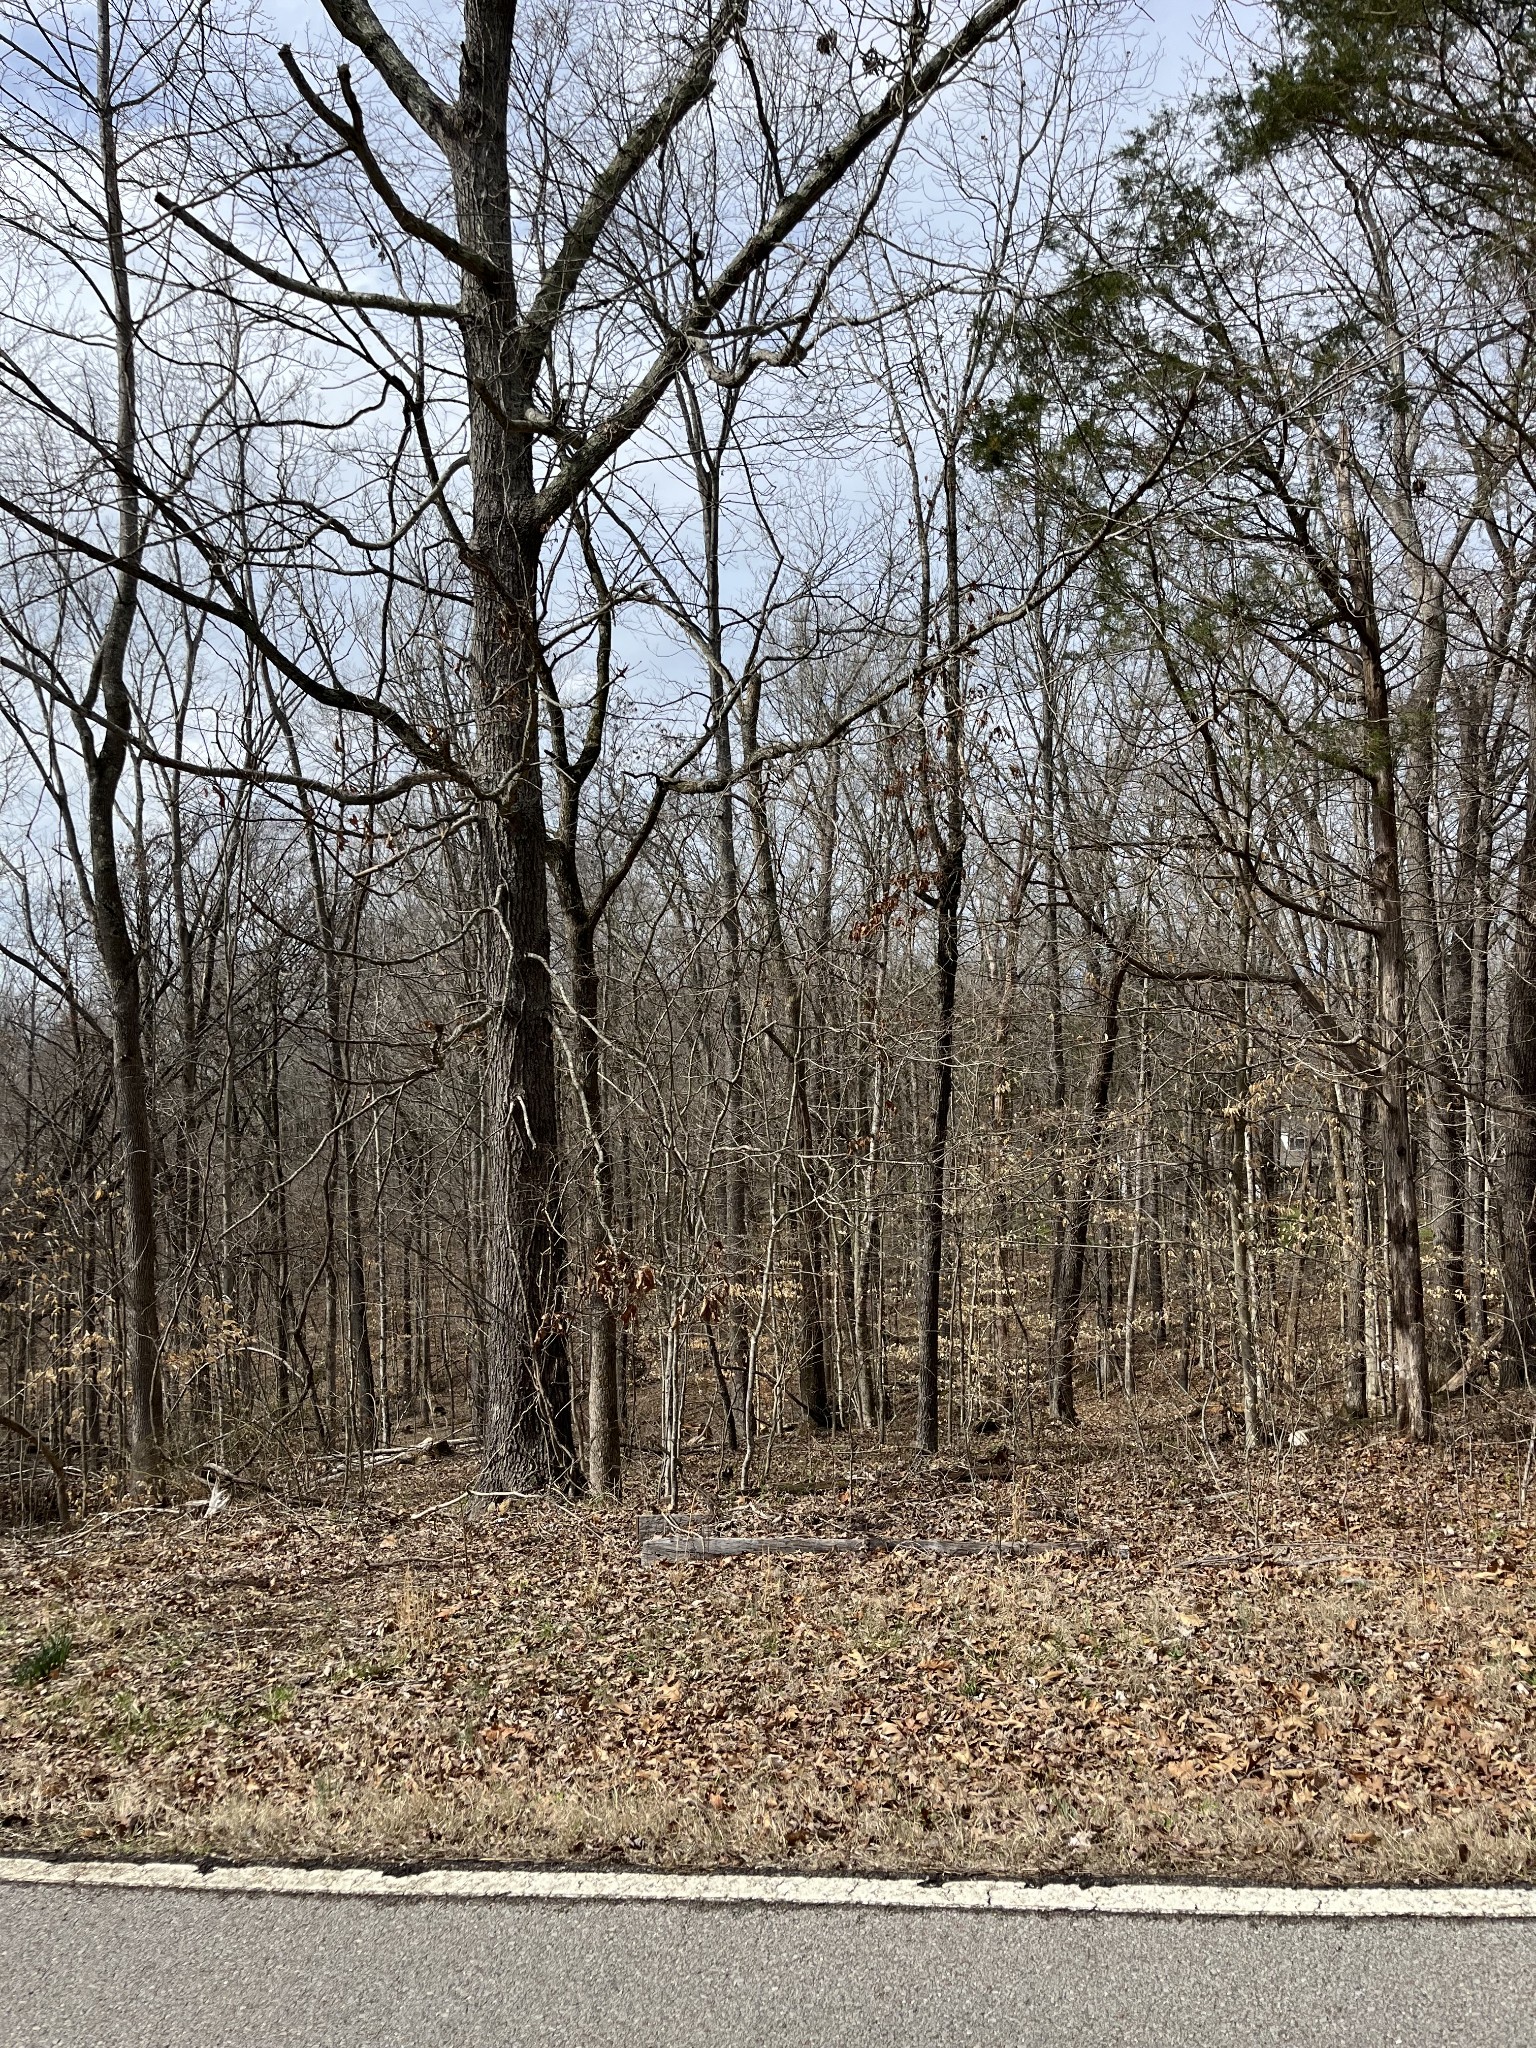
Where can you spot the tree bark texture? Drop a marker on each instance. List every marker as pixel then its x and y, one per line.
pixel 1072 1263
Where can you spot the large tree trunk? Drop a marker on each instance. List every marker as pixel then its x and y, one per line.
pixel 526 1419
pixel 1405 1273
pixel 1067 1302
pixel 603 1450
pixel 1057 1100
pixel 708 450
pixel 873 1083
pixel 947 968
pixel 738 1140
pixel 1479 1060
pixel 1240 1205
pixel 807 1215
pixel 1347 1147
pixel 105 753
pixel 1518 1223
pixel 364 1389
pixel 1429 969
pixel 1405 1276
pixel 1432 1015
pixel 526 1415
pixel 1395 1132
pixel 583 917
pixel 119 959
pixel 811 1227
pixel 946 832
pixel 1457 1233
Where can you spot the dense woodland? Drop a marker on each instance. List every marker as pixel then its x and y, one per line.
pixel 727 720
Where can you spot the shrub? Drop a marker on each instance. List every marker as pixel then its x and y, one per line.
pixel 49 1656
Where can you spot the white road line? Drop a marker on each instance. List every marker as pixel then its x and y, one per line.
pixel 643 1887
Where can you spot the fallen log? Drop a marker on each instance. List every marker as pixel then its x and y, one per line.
pixel 691 1547
pixel 392 1454
pixel 999 1467
pixel 937 1546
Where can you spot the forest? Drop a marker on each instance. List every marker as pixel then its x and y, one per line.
pixel 768 933
pixel 797 720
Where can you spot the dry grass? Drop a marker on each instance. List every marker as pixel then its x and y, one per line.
pixel 1315 1666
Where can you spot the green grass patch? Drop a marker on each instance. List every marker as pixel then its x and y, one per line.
pixel 51 1655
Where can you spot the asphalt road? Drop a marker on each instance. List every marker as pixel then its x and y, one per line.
pixel 88 1967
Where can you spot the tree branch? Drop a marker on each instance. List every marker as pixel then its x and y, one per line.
pixel 356 20
pixel 353 302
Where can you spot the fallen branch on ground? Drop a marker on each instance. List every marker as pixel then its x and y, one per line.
pixel 691 1548
pixel 398 1454
pixel 223 1485
pixel 436 1507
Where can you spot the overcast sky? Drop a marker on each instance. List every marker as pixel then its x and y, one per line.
pixel 1177 26
pixel 1189 33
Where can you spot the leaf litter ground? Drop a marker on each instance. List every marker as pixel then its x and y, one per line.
pixel 1313 1666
